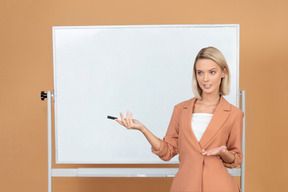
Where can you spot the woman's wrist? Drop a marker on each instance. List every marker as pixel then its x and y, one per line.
pixel 142 129
pixel 226 155
pixel 223 152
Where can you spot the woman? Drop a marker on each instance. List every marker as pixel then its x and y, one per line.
pixel 206 131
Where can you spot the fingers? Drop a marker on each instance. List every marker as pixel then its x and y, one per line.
pixel 126 122
pixel 131 122
pixel 120 122
pixel 204 152
pixel 213 151
pixel 123 120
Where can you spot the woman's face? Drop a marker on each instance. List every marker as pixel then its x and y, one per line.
pixel 209 75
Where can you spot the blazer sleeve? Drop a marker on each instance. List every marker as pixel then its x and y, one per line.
pixel 169 144
pixel 234 141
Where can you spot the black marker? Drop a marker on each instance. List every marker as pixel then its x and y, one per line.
pixel 111 117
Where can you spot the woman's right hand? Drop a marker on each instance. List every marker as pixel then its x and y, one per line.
pixel 130 123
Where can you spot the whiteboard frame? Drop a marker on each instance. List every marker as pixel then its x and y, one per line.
pixel 236 26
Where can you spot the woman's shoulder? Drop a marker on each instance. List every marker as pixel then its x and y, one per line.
pixel 185 103
pixel 236 111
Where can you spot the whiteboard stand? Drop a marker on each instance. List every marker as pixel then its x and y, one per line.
pixel 242 181
pixel 126 172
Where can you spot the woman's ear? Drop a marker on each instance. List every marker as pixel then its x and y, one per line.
pixel 224 72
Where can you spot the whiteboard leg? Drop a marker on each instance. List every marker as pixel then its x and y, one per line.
pixel 243 143
pixel 49 141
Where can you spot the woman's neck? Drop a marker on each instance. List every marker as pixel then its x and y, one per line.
pixel 210 99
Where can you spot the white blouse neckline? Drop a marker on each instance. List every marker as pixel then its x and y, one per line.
pixel 202 114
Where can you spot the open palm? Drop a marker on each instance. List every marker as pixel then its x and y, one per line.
pixel 129 123
pixel 214 151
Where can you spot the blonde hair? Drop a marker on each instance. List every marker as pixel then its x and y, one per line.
pixel 216 56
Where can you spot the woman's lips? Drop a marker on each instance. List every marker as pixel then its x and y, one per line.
pixel 207 86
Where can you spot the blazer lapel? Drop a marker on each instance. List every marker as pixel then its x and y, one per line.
pixel 187 117
pixel 220 115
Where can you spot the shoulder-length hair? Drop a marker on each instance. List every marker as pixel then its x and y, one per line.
pixel 216 56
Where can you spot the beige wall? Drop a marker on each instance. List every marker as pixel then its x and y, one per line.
pixel 26 68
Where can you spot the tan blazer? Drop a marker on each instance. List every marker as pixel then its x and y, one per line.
pixel 197 172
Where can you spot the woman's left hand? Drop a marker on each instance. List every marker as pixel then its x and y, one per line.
pixel 215 151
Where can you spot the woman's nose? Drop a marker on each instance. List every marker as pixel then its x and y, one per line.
pixel 206 78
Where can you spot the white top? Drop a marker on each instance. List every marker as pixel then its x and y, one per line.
pixel 199 123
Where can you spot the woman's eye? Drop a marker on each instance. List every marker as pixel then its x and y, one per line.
pixel 199 73
pixel 213 72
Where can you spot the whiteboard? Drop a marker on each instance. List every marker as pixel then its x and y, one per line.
pixel 146 69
